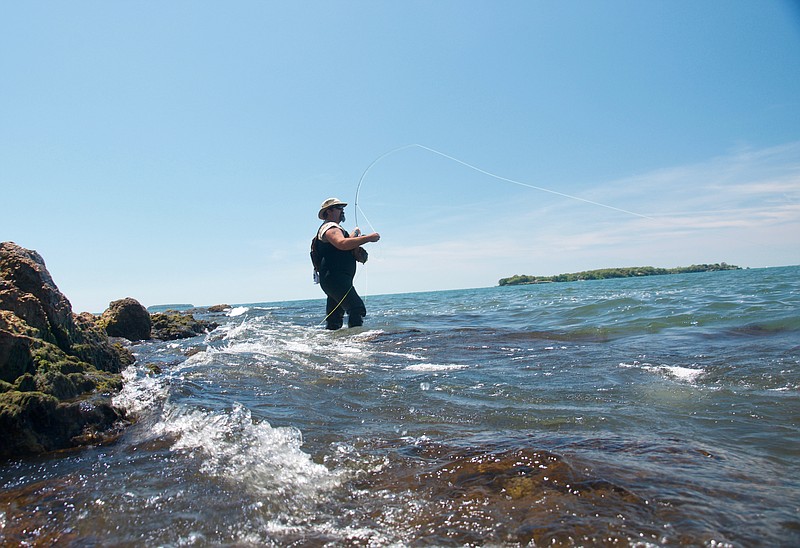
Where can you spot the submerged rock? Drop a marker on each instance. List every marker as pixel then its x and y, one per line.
pixel 541 498
pixel 58 370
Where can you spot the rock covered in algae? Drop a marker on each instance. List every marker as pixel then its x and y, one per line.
pixel 58 369
pixel 459 496
pixel 171 325
pixel 128 319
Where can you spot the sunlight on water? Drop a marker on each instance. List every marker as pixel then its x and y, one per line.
pixel 640 412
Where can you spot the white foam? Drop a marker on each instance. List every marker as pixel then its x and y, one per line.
pixel 179 370
pixel 428 367
pixel 685 374
pixel 140 392
pixel 402 355
pixel 371 334
pixel 301 347
pixel 232 331
pixel 255 456
pixel 238 311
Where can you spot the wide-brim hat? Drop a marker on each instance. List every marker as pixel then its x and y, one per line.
pixel 330 202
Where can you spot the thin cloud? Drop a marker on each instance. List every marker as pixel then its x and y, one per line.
pixel 745 205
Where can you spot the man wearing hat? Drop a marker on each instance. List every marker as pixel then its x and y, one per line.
pixel 338 252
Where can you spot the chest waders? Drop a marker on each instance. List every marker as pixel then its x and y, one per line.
pixel 337 270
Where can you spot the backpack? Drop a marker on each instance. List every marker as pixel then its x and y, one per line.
pixel 316 259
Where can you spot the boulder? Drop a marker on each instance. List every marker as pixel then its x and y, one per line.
pixel 58 370
pixel 29 291
pixel 67 423
pixel 127 318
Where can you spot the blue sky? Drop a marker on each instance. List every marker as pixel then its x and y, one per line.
pixel 177 152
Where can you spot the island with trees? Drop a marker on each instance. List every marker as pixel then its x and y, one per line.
pixel 624 272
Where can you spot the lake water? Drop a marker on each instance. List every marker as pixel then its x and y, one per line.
pixel 657 411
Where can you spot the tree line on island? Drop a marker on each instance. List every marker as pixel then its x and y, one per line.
pixel 606 273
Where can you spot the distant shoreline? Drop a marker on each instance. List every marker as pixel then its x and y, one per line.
pixel 606 273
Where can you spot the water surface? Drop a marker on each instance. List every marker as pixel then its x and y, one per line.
pixel 655 411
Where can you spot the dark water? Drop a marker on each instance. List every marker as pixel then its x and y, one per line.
pixel 658 411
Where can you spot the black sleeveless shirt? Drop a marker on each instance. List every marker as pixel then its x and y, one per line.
pixel 334 260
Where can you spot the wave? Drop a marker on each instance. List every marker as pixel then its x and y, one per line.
pixel 253 455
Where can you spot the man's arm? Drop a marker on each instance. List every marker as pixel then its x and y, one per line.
pixel 337 239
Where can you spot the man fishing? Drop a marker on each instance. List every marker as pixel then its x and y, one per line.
pixel 334 253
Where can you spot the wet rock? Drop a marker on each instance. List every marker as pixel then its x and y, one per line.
pixel 169 326
pixel 189 352
pixel 49 355
pixel 93 345
pixel 127 318
pixel 540 497
pixel 29 292
pixel 15 353
pixel 33 422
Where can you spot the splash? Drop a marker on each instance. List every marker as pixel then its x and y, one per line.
pixel 238 311
pixel 265 460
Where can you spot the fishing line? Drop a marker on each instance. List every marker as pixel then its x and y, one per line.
pixel 483 171
pixel 474 168
pixel 352 287
pixel 325 319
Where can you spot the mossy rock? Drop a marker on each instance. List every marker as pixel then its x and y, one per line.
pixel 57 369
pixel 64 387
pixel 170 326
pixel 25 383
pixel 106 383
pixel 48 357
pixel 15 356
pixel 127 318
pixel 17 326
pixel 24 416
pixel 67 377
pixel 34 422
pixel 91 344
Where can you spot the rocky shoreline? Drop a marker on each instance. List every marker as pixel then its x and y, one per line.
pixel 60 370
